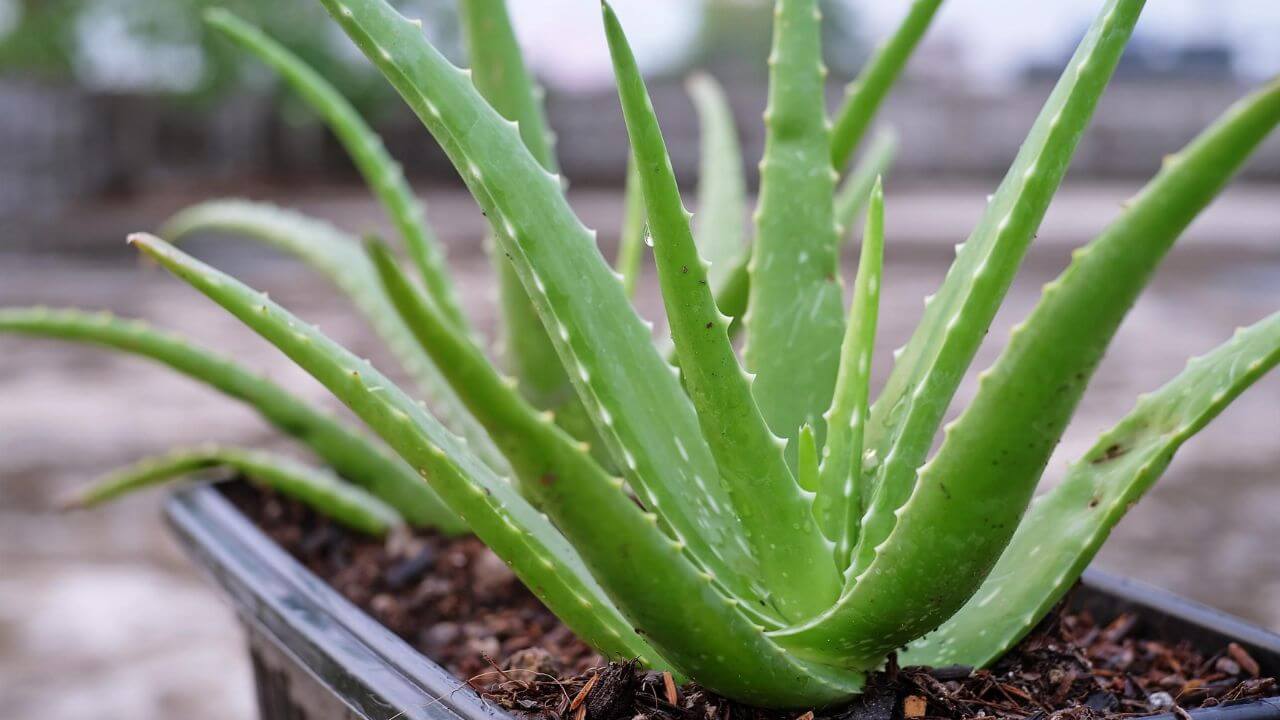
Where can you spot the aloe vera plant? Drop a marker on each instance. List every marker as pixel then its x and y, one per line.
pixel 761 524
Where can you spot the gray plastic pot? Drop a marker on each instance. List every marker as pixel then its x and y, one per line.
pixel 318 657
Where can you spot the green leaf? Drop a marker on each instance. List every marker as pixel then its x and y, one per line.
pixel 383 175
pixel 339 257
pixel 720 225
pixel 733 297
pixel 352 455
pixel 499 73
pixel 734 289
pixel 794 557
pixel 917 562
pixel 838 505
pixel 906 415
pixel 807 460
pixel 634 228
pixel 320 490
pixel 593 510
pixel 1001 443
pixel 796 316
pixel 516 427
pixel 864 96
pixel 1065 527
pixel 634 398
pixel 490 504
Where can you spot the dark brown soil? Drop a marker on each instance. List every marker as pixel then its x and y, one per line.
pixel 458 604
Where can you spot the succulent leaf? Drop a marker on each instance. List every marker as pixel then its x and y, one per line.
pixel 354 456
pixel 1064 528
pixel 383 174
pixel 838 504
pixel 720 225
pixel 339 257
pixel 796 315
pixel 911 570
pixel 518 428
pixel 794 558
pixel 1003 440
pixel 495 511
pixel 617 541
pixel 321 490
pixel 734 290
pixel 807 460
pixel 499 73
pixel 864 96
pixel 906 415
pixel 708 627
pixel 634 226
pixel 634 398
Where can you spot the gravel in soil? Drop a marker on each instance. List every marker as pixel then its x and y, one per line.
pixel 460 605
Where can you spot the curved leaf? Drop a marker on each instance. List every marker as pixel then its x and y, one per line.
pixel 490 504
pixel 867 92
pixel 340 258
pixel 323 491
pixel 794 557
pixel 1065 527
pixel 796 314
pixel 355 457
pixel 761 672
pixel 383 174
pixel 634 399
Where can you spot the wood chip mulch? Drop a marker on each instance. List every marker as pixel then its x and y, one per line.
pixel 458 604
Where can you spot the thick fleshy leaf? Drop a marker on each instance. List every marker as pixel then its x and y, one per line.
pixel 339 257
pixel 760 672
pixel 499 73
pixel 634 228
pixel 794 558
pixel 321 490
pixel 1064 528
pixel 734 289
pixel 720 225
pixel 618 542
pixel 355 457
pixel 383 174
pixel 905 417
pixel 796 314
pixel 925 546
pixel 867 92
pixel 495 511
pixel 1025 400
pixel 635 400
pixel 838 505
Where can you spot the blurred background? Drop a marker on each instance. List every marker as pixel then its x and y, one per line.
pixel 116 113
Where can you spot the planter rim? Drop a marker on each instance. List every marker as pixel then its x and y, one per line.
pixel 379 675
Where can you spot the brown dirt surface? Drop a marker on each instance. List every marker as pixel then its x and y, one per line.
pixel 460 605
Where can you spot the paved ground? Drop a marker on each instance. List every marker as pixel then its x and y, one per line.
pixel 101 617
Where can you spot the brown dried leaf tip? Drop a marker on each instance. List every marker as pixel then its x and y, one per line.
pixel 581 697
pixel 1244 660
pixel 669 684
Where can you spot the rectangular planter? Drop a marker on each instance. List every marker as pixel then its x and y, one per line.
pixel 318 657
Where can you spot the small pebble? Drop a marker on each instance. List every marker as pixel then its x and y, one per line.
pixel 411 569
pixel 1160 700
pixel 1227 666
